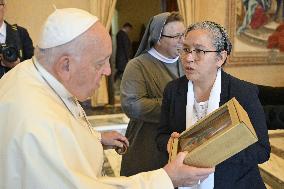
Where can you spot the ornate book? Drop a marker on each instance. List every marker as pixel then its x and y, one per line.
pixel 216 137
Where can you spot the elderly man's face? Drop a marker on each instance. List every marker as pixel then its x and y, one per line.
pixel 93 65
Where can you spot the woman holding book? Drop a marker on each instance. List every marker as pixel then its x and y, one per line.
pixel 203 89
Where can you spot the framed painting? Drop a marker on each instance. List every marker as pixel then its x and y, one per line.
pixel 255 30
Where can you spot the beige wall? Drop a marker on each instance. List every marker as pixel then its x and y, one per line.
pixel 265 74
pixel 137 12
pixel 32 13
pixel 216 10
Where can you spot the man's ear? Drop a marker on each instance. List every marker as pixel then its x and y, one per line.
pixel 62 68
pixel 222 58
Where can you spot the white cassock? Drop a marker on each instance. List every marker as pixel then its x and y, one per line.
pixel 45 145
pixel 192 116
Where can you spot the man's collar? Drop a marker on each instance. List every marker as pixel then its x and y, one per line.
pixel 55 84
pixel 3 29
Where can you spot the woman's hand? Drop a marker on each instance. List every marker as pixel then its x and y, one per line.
pixel 170 142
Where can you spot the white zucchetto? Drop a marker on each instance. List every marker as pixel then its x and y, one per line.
pixel 64 25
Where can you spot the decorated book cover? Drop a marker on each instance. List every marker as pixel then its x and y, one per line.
pixel 216 137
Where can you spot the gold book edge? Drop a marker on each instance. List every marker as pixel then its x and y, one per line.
pixel 243 117
pixel 174 149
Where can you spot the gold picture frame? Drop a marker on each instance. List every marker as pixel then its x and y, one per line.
pixel 250 48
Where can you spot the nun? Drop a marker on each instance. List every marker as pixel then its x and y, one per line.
pixel 145 77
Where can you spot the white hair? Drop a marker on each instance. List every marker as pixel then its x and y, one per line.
pixel 73 48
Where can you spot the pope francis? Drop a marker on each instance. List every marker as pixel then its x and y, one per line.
pixel 46 139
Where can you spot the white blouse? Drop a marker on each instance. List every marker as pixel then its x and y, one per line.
pixel 196 111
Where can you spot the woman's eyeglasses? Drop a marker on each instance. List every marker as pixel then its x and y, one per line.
pixel 197 54
pixel 177 36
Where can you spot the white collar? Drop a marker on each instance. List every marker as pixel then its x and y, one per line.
pixel 213 104
pixel 3 31
pixel 70 102
pixel 54 83
pixel 161 57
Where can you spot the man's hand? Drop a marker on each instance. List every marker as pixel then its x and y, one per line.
pixel 10 64
pixel 184 175
pixel 113 139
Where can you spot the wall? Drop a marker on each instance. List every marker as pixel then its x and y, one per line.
pixel 32 13
pixel 137 12
pixel 262 74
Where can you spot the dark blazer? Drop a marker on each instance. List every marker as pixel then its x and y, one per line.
pixel 241 170
pixel 123 50
pixel 26 44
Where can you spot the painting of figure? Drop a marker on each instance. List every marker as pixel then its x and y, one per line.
pixel 257 30
pixel 259 24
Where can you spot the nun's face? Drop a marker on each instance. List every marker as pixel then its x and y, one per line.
pixel 94 64
pixel 172 39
